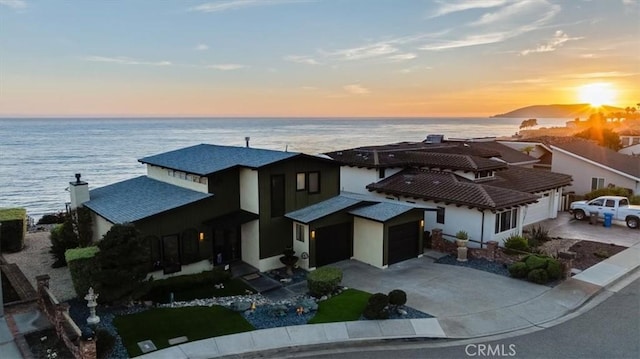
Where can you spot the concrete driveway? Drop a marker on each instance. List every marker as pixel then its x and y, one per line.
pixel 565 226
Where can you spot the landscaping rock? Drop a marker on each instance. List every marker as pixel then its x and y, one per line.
pixel 307 304
pixel 240 306
pixel 278 310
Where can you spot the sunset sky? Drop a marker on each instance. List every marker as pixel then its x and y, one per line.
pixel 313 57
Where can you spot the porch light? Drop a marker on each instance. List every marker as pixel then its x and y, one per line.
pixel 313 234
pixel 422 223
pixel 201 236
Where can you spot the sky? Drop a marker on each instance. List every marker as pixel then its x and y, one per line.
pixel 308 58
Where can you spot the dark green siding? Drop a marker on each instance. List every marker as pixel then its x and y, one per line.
pixel 276 233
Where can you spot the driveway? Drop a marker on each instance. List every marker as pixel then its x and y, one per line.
pixel 565 226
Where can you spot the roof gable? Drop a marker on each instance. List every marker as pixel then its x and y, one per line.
pixel 205 159
pixel 138 198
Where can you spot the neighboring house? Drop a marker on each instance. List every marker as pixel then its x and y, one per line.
pixel 208 204
pixel 591 166
pixel 465 186
pixel 633 150
pixel 629 137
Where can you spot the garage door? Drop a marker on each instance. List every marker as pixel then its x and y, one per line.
pixel 403 242
pixel 333 243
pixel 538 211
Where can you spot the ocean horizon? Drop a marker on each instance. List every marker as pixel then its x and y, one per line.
pixel 39 156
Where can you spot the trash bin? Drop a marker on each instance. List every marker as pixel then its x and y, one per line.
pixel 593 218
pixel 608 217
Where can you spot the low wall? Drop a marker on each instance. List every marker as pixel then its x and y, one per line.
pixel 66 328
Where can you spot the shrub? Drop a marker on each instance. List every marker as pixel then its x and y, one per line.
pixel 554 269
pixel 601 254
pixel 608 191
pixel 105 342
pixel 538 234
pixel 518 270
pixel 462 235
pixel 82 267
pixel 54 218
pixel 397 297
pixel 377 307
pixel 535 262
pixel 516 244
pixel 75 231
pixel 539 276
pixel 635 200
pixel 13 230
pixel 323 281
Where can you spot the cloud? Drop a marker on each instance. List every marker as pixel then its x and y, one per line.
pixel 307 60
pixel 364 52
pixel 14 4
pixel 356 89
pixel 629 2
pixel 409 70
pixel 402 57
pixel 604 74
pixel 121 60
pixel 225 67
pixel 558 38
pixel 220 6
pixel 470 40
pixel 449 7
pixel 518 11
pixel 201 47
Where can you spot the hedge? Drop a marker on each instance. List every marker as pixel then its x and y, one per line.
pixel 83 264
pixel 13 230
pixel 323 281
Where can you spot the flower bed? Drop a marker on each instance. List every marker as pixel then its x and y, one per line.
pixel 480 264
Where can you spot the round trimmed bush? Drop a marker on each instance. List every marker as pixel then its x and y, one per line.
pixel 397 297
pixel 539 276
pixel 376 307
pixel 536 262
pixel 516 244
pixel 323 281
pixel 518 270
pixel 554 269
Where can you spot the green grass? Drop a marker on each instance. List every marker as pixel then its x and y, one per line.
pixel 161 324
pixel 160 294
pixel 345 307
pixel 12 214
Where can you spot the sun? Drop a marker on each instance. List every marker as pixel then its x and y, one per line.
pixel 597 94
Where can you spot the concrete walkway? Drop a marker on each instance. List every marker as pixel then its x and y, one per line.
pixel 487 312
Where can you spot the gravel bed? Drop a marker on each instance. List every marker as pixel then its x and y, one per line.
pixel 480 264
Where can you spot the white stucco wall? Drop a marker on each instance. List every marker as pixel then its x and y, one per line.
pixel 368 241
pixel 538 150
pixel 249 196
pixel 301 247
pixel 162 174
pixel 270 263
pixel 100 226
pixel 249 242
pixel 353 179
pixel 582 171
pixel 193 268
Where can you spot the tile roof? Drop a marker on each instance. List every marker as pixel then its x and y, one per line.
pixel 138 198
pixel 452 161
pixel 205 159
pixel 383 211
pixel 529 180
pixel 322 209
pixel 449 188
pixel 593 152
pixel 505 152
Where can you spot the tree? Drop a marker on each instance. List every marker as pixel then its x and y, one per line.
pixel 74 231
pixel 604 136
pixel 532 122
pixel 528 149
pixel 123 261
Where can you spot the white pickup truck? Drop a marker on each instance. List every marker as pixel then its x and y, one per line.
pixel 618 206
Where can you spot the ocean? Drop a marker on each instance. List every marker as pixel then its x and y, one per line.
pixel 39 157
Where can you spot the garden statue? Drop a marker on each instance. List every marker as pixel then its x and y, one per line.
pixel 289 260
pixel 91 299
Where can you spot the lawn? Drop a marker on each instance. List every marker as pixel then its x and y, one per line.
pixel 161 324
pixel 345 307
pixel 161 293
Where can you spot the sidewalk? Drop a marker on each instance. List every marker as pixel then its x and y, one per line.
pixel 535 311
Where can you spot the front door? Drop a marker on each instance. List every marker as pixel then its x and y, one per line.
pixel 226 245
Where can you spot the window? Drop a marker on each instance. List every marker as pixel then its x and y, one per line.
pixel 381 173
pixel 610 203
pixel 301 181
pixel 623 202
pixel 484 174
pixel 597 202
pixel 314 182
pixel 277 196
pixel 596 183
pixel 506 220
pixel 440 215
pixel 299 232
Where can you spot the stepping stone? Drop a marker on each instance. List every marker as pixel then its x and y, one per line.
pixel 178 340
pixel 147 346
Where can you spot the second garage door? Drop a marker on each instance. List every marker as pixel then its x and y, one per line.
pixel 403 242
pixel 333 243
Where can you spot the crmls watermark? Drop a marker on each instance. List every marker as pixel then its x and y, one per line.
pixel 490 350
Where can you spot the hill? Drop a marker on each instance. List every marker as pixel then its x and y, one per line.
pixel 569 111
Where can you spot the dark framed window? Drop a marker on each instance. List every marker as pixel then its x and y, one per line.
pixel 171 254
pixel 277 196
pixel 440 215
pixel 299 232
pixel 314 182
pixel 189 246
pixel 506 220
pixel 597 183
pixel 301 181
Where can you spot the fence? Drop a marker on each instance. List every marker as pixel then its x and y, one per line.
pixel 58 314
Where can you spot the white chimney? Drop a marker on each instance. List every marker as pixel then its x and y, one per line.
pixel 79 192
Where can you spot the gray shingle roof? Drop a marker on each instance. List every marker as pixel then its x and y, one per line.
pixel 138 198
pixel 205 159
pixel 382 212
pixel 323 209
